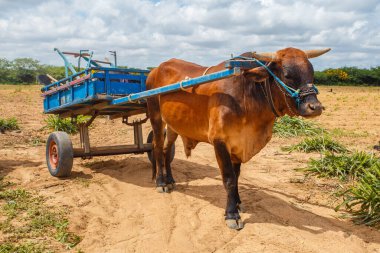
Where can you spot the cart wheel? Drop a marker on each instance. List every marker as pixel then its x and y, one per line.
pixel 150 153
pixel 59 154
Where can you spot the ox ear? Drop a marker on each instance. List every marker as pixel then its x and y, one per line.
pixel 257 74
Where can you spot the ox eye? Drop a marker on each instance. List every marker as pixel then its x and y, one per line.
pixel 287 75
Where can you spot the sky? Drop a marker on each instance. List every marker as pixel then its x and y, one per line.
pixel 145 33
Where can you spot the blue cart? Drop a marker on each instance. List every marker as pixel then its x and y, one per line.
pixel 96 89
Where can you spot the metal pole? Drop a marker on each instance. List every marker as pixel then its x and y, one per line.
pixel 67 63
pixel 176 86
pixel 113 53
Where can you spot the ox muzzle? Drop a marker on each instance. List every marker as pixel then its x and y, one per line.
pixel 308 104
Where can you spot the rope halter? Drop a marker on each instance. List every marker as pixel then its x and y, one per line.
pixel 299 94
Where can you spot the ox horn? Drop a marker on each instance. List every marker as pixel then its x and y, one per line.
pixel 268 57
pixel 316 52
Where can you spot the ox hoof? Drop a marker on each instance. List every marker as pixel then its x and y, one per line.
pixel 170 186
pixel 160 189
pixel 235 224
pixel 163 189
pixel 241 208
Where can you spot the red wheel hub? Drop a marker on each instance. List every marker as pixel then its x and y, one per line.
pixel 53 154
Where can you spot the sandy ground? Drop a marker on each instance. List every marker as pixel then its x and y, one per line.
pixel 115 208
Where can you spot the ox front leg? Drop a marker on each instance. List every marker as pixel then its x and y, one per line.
pixel 230 183
pixel 236 167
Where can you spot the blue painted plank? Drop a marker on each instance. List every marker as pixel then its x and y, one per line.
pixel 67 106
pixel 124 88
pixel 132 70
pixel 113 76
pixel 86 71
pixel 242 64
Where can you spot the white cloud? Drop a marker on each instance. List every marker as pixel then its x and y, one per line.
pixel 146 33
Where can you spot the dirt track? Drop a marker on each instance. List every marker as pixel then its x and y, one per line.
pixel 115 207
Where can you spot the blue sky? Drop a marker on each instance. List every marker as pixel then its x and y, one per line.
pixel 146 33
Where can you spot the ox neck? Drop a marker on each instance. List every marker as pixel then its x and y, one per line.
pixel 269 97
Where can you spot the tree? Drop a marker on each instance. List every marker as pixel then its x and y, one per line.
pixel 5 68
pixel 26 69
pixel 58 72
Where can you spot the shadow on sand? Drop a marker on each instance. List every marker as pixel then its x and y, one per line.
pixel 262 205
pixel 6 166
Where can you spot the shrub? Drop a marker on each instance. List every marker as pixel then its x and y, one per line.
pixel 293 126
pixel 348 76
pixel 8 124
pixel 55 123
pixel 337 74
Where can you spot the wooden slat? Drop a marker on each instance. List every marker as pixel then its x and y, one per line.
pixel 76 54
pixel 106 62
pixel 51 78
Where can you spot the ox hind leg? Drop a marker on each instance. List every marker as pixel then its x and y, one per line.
pixel 158 142
pixel 171 137
pixel 230 182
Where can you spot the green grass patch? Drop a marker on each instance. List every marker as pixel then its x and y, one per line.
pixel 363 199
pixel 29 225
pixel 36 141
pixel 21 248
pixel 343 166
pixel 55 123
pixel 287 126
pixel 362 196
pixel 321 143
pixel 9 124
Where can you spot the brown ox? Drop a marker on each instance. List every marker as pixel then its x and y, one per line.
pixel 235 115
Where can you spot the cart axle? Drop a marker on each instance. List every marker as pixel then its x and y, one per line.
pixel 112 150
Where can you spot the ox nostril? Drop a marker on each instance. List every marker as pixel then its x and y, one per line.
pixel 312 106
pixel 315 106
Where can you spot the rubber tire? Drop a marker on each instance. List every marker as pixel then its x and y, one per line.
pixel 65 154
pixel 150 154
